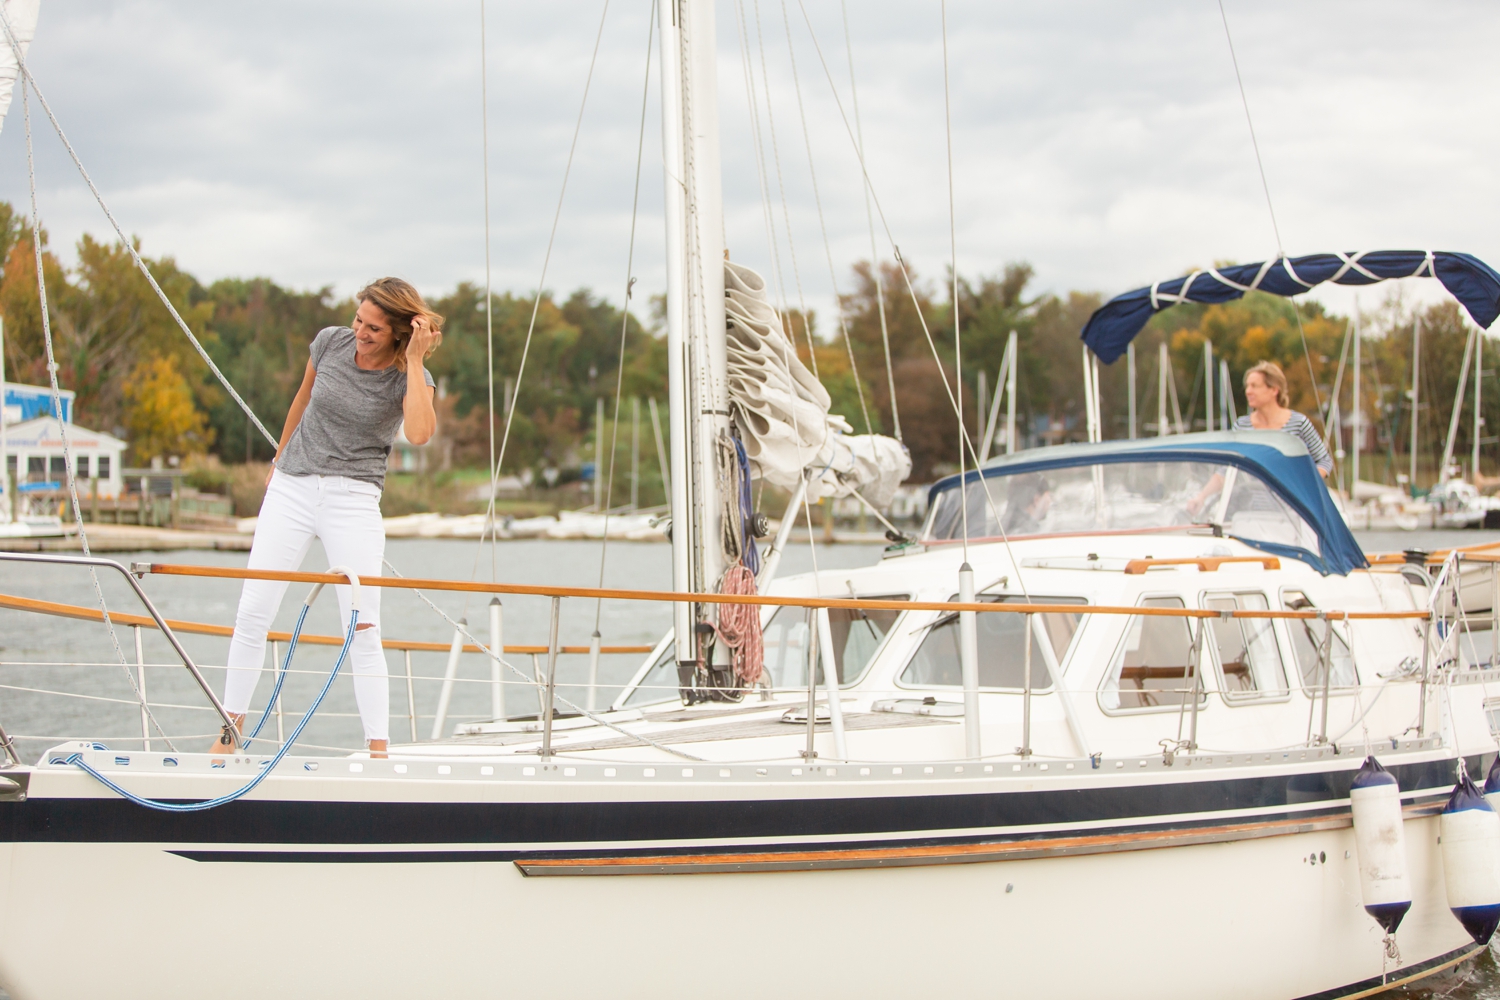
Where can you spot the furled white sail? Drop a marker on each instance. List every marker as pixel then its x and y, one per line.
pixel 782 410
pixel 21 16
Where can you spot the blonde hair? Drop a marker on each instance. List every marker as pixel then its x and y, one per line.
pixel 401 304
pixel 1271 373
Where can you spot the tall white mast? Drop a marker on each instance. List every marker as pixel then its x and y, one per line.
pixel 697 380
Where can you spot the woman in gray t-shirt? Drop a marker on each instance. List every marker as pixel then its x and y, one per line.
pixel 363 383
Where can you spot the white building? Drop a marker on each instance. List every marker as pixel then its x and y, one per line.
pixel 34 454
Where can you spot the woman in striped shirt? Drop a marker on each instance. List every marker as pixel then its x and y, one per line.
pixel 1266 397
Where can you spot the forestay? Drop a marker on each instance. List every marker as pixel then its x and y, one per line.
pixel 1470 280
pixel 782 410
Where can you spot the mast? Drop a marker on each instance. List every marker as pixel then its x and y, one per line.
pixel 697 380
pixel 1358 422
pixel 9 510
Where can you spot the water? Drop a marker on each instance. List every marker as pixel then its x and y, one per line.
pixel 27 641
pixel 34 647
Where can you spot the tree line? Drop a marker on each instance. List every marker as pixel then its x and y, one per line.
pixel 135 375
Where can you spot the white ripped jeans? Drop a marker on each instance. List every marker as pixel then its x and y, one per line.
pixel 345 514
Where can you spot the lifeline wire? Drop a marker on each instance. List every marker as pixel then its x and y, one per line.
pixel 68 468
pixel 614 438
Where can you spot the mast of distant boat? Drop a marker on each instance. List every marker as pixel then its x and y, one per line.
pixel 697 378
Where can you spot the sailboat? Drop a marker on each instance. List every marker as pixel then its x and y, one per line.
pixel 1103 729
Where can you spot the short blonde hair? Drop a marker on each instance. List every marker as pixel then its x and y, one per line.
pixel 401 303
pixel 1271 373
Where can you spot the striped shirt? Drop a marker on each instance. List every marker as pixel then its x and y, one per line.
pixel 1303 428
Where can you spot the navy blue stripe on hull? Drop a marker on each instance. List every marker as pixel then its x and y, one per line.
pixel 274 822
pixel 1397 977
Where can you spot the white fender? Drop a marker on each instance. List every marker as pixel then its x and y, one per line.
pixel 1379 839
pixel 1471 860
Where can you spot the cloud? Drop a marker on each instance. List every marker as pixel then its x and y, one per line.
pixel 1106 144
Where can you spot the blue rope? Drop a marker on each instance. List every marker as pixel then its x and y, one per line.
pixel 280 678
pixel 266 769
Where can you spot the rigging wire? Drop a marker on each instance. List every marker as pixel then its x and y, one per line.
pixel 128 244
pixel 52 367
pixel 783 314
pixel 911 291
pixel 609 490
pixel 489 298
pixel 536 304
pixel 786 214
pixel 885 335
pixel 958 358
pixel 823 225
pixel 1270 208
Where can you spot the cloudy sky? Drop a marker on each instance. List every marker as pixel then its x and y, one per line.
pixel 1105 143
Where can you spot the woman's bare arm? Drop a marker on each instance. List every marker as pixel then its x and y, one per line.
pixel 417 412
pixel 294 413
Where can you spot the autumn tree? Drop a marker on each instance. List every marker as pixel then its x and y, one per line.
pixel 161 416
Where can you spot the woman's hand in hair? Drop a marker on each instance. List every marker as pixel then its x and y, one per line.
pixel 423 340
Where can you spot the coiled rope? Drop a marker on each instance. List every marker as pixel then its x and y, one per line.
pixel 739 627
pixel 267 766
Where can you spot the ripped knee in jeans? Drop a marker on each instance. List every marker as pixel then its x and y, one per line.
pixel 364 625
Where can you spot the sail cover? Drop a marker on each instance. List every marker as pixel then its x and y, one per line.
pixel 21 16
pixel 781 409
pixel 1470 280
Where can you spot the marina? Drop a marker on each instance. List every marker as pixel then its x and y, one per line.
pixel 1037 696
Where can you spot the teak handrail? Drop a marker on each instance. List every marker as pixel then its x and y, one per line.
pixel 15 603
pixel 1205 564
pixel 670 596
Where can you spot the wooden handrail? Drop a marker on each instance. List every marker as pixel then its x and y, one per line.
pixel 15 603
pixel 604 593
pixel 1205 564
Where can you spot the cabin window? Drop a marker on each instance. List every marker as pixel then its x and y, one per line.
pixel 1307 643
pixel 1153 666
pixel 36 468
pixel 1249 658
pixel 83 467
pixel 856 635
pixel 1002 647
pixel 58 469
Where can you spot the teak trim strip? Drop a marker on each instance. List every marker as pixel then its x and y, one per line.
pixel 1205 564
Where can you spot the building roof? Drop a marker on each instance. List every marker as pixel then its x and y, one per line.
pixel 45 432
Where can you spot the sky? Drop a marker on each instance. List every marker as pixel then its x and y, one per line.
pixel 1103 143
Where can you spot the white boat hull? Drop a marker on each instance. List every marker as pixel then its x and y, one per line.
pixel 1268 907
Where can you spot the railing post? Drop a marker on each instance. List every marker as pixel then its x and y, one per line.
pixel 968 654
pixel 1494 614
pixel 1327 676
pixel 1196 665
pixel 448 674
pixel 593 668
pixel 276 659
pixel 811 753
pixel 497 650
pixel 140 680
pixel 1426 663
pixel 831 684
pixel 411 701
pixel 1025 748
pixel 551 679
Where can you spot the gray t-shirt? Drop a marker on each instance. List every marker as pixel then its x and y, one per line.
pixel 351 421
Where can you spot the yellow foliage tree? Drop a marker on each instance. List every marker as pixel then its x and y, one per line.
pixel 161 416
